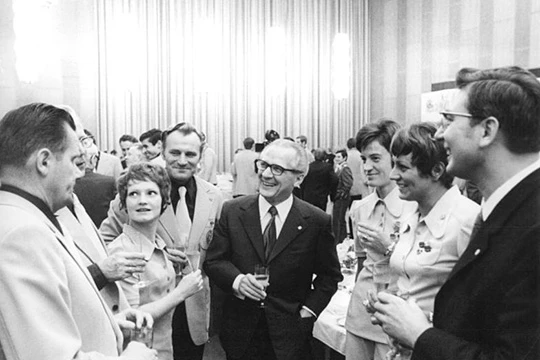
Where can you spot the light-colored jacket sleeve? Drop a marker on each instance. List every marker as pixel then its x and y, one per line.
pixel 111 227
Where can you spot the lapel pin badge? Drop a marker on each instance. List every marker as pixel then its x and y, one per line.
pixel 299 227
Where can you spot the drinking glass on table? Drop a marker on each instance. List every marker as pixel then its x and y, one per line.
pixel 262 275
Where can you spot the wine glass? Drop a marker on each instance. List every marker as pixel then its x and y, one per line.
pixel 143 335
pixel 262 275
pixel 140 282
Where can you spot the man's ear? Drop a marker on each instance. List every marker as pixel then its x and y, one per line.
pixel 43 160
pixel 159 144
pixel 299 179
pixel 490 127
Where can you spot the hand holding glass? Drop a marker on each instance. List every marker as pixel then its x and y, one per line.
pixel 262 275
pixel 143 335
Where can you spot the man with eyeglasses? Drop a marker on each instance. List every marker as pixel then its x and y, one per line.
pixel 105 164
pixel 293 240
pixel 489 307
pixel 186 227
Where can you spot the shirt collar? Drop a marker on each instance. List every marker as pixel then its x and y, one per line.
pixel 394 205
pixel 282 208
pixel 437 218
pixel 147 246
pixel 489 204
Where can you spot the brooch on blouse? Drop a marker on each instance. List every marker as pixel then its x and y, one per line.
pixel 423 246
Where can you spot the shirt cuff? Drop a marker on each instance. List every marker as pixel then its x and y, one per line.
pixel 236 287
pixel 96 273
pixel 309 311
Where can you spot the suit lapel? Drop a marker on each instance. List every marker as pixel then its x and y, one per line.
pixel 479 244
pixel 203 207
pixel 251 222
pixel 294 225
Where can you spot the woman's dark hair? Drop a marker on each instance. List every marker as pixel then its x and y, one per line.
pixel 426 152
pixel 382 131
pixel 145 171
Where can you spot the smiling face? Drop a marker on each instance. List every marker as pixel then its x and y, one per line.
pixel 412 185
pixel 377 165
pixel 143 201
pixel 460 139
pixel 151 150
pixel 277 188
pixel 182 154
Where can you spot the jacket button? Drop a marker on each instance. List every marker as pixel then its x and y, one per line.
pixel 115 308
pixel 476 252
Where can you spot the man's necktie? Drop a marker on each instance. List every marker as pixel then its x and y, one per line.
pixel 478 223
pixel 182 216
pixel 269 234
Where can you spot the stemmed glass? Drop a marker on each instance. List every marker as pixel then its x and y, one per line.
pixel 262 275
pixel 143 335
pixel 140 282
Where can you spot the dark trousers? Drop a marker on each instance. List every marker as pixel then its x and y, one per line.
pixel 183 346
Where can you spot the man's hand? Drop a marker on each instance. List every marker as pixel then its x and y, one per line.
pixel 177 257
pixel 251 288
pixel 138 351
pixel 132 318
pixel 122 265
pixel 401 319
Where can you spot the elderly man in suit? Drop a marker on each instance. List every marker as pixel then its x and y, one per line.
pixel 290 237
pixel 489 306
pixel 187 224
pixel 50 307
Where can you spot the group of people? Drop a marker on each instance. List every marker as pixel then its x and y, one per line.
pixel 441 277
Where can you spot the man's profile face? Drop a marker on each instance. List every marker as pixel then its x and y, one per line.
pixel 277 188
pixel 460 138
pixel 182 154
pixel 63 171
pixel 124 146
pixel 299 141
pixel 150 150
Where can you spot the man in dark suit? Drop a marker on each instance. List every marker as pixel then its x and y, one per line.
pixel 294 240
pixel 320 182
pixel 489 306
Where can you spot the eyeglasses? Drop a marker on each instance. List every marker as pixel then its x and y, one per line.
pixel 276 170
pixel 87 141
pixel 448 117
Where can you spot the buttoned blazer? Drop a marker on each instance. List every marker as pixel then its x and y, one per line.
pixel 50 307
pixel 208 203
pixel 489 307
pixel 305 247
pixel 92 249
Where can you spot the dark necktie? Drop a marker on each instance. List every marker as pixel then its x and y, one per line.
pixel 269 234
pixel 478 223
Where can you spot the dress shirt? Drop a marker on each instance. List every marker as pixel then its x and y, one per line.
pixel 429 247
pixel 191 195
pixel 283 209
pixel 160 271
pixel 489 204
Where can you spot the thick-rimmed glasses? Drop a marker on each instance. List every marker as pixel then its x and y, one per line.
pixel 448 117
pixel 276 170
pixel 87 141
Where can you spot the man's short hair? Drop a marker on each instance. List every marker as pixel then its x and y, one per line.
pixel 343 153
pixel 248 143
pixel 351 143
pixel 512 96
pixel 153 136
pixel 426 152
pixel 301 157
pixel 382 130
pixel 30 128
pixel 127 137
pixel 319 154
pixel 185 129
pixel 302 138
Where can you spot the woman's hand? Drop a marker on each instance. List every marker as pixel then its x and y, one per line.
pixel 134 319
pixel 189 285
pixel 373 238
pixel 177 257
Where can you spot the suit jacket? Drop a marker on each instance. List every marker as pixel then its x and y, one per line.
pixel 208 203
pixel 49 305
pixel 109 165
pixel 320 181
pixel 305 247
pixel 489 306
pixel 92 249
pixel 95 192
pixel 245 180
